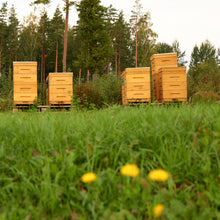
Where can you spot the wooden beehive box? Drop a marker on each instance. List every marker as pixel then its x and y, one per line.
pixel 59 88
pixel 25 82
pixel 158 61
pixel 136 85
pixel 172 84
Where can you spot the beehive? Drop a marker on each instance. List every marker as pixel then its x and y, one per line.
pixel 158 61
pixel 25 82
pixel 172 84
pixel 136 85
pixel 59 88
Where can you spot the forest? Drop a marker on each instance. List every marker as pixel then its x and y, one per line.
pixel 102 43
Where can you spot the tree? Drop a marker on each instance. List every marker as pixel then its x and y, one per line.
pixel 56 37
pixel 96 48
pixel 3 30
pixel 146 40
pixel 180 55
pixel 122 45
pixel 175 47
pixel 12 37
pixel 204 70
pixel 29 45
pixel 43 34
pixel 67 5
pixel 136 14
pixel 205 52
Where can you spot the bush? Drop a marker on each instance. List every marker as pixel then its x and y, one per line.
pixel 103 90
pixel 6 92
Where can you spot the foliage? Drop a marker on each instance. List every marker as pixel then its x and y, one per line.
pixel 204 71
pixel 6 92
pixel 102 91
pixel 44 156
pixel 95 42
pixel 174 48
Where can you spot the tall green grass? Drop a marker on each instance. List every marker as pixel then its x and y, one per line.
pixel 43 156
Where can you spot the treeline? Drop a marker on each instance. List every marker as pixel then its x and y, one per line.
pixel 102 42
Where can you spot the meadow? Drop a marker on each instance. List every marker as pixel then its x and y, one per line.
pixel 44 155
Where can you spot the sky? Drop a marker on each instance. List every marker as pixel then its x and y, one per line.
pixel 190 22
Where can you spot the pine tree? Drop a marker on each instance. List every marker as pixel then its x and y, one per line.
pixel 43 33
pixel 122 45
pixel 3 31
pixel 56 35
pixel 12 37
pixel 146 40
pixel 96 48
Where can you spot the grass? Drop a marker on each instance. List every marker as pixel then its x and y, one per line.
pixel 43 156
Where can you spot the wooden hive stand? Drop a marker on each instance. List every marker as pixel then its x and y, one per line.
pixel 158 61
pixel 59 89
pixel 25 84
pixel 136 85
pixel 172 84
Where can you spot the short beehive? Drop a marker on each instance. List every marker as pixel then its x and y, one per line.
pixel 25 82
pixel 158 61
pixel 59 88
pixel 172 84
pixel 136 85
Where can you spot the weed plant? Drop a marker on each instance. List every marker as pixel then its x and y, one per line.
pixel 43 157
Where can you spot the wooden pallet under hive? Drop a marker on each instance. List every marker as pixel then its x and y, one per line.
pixel 172 84
pixel 24 82
pixel 136 85
pixel 59 88
pixel 158 61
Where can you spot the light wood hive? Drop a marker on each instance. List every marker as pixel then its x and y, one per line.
pixel 158 61
pixel 172 84
pixel 25 82
pixel 59 88
pixel 136 85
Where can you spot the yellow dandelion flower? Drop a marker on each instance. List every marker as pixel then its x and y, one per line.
pixel 158 175
pixel 130 170
pixel 158 210
pixel 88 177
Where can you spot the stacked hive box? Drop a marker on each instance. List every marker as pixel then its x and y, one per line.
pixel 172 84
pixel 25 82
pixel 158 61
pixel 59 88
pixel 136 85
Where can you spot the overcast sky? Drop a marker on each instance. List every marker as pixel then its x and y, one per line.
pixel 188 21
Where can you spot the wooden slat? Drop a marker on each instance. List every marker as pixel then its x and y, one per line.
pixel 166 94
pixel 61 89
pixel 137 86
pixel 25 88
pixel 60 78
pixel 138 94
pixel 25 78
pixel 20 98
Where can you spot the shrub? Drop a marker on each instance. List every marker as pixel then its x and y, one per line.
pixel 6 92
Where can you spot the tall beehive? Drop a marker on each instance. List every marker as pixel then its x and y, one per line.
pixel 25 82
pixel 59 88
pixel 172 84
pixel 136 85
pixel 158 61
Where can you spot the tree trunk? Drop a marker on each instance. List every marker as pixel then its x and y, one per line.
pixel 116 63
pixel 119 63
pixel 108 68
pixel 136 45
pixel 65 36
pixel 56 61
pixel 87 75
pixel 1 46
pixel 80 72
